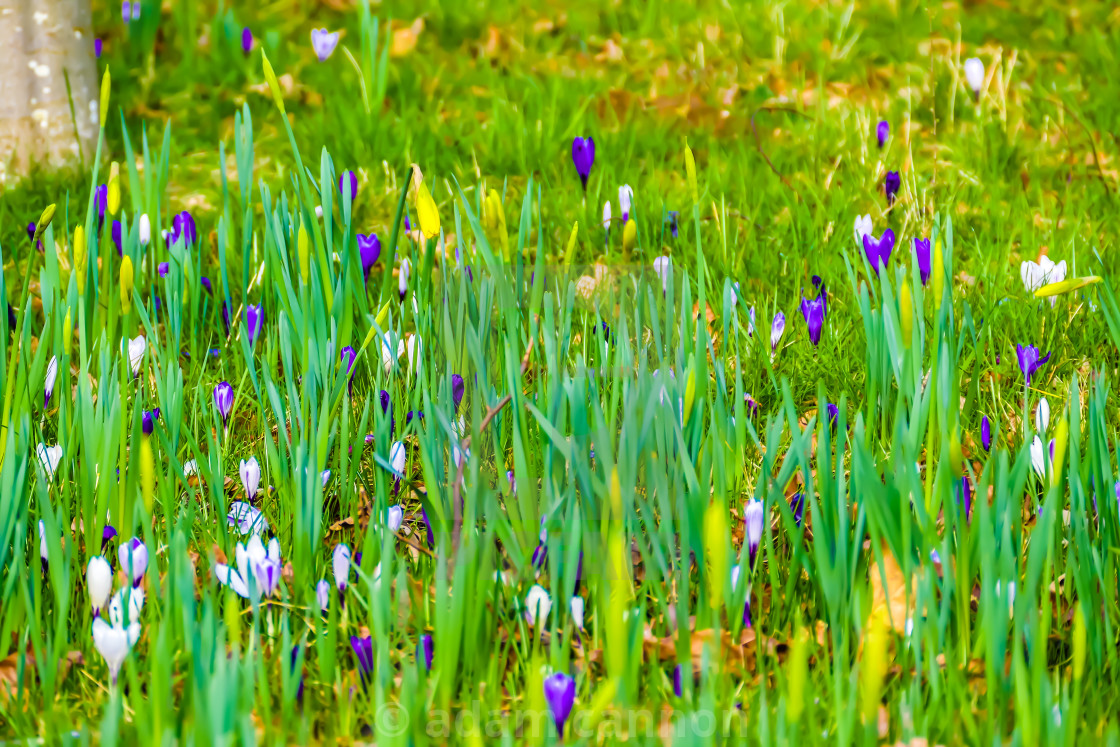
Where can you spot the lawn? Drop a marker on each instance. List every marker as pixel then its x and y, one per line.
pixel 570 373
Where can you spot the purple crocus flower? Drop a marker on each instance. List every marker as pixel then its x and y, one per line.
pixel 882 132
pixel 754 516
pixel 117 237
pixel 101 197
pixel 348 178
pixel 428 525
pixel 424 651
pixel 560 692
pixel 164 268
pixel 878 252
pixel 457 390
pixel 833 414
pixel 822 291
pixel 133 556
pixel 583 156
pixel 678 682
pixel 776 330
pixel 246 40
pixel 813 311
pixel 126 10
pixel 387 409
pixel 347 357
pixel 891 184
pixel 225 312
pixel 369 249
pixel 363 649
pixel 797 506
pixel 921 254
pixel 1029 360
pixel 146 423
pixel 295 657
pixel 31 228
pixel 137 5
pixel 966 498
pixel 97 48
pixel 408 418
pixel 323 42
pixel 674 222
pixel 209 288
pixel 107 535
pixel 183 227
pixel 986 434
pixel 223 400
pixel 254 322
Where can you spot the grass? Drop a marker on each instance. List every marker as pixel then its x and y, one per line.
pixel 880 612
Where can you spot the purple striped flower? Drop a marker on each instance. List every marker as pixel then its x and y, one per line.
pixel 878 251
pixel 583 156
pixel 147 423
pixel 223 400
pixel 986 434
pixel 457 390
pixel 797 506
pixel 753 517
pixel 882 132
pixel 1029 360
pixel 254 323
pixel 921 254
pixel 247 45
pixel 424 651
pixel 369 249
pixel 560 693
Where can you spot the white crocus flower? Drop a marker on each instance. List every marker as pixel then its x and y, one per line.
pixel 398 458
pixel 114 643
pixel 250 471
pixel 537 605
pixel 607 215
pixel 577 611
pixel 662 267
pixel 49 380
pixel 340 564
pixel 625 201
pixel 145 230
pixel 1037 274
pixel 247 518
pixel 1038 456
pixel 130 599
pixel 99 582
pixel 257 569
pixel 974 74
pixel 1042 415
pixel 49 458
pixel 394 518
pixel 864 227
pixel 136 349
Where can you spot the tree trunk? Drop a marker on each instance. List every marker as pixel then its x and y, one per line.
pixel 43 43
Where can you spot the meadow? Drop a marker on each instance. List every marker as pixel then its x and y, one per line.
pixel 569 373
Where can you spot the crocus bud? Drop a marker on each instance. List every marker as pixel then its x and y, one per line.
pixel 753 518
pixel 974 74
pixel 52 375
pixel 424 651
pixel 126 284
pixel 1058 450
pixel 715 551
pixel 874 667
pixel 938 273
pixel 629 236
pixel 398 458
pixel 496 221
pixel 103 110
pixel 67 334
pixel 986 434
pixel 798 676
pixel 254 322
pixel 402 282
pixel 250 471
pixel 625 201
pixel 323 594
pixel 273 84
pixel 133 556
pixel 394 518
pixel 537 606
pixel 690 172
pixel 560 693
pixel 882 132
pixel 576 606
pixel 223 400
pixel 145 233
pixel 99 582
pixel 136 348
pixel 340 564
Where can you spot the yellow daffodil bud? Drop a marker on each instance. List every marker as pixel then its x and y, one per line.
pixel 67 334
pixel 147 473
pixel 45 219
pixel 570 252
pixel 715 551
pixel 798 676
pixel 495 218
pixel 690 172
pixel 303 248
pixel 79 259
pixel 1061 440
pixel 689 393
pixel 906 313
pixel 874 667
pixel 273 84
pixel 104 110
pixel 426 212
pixel 938 274
pixel 629 236
pixel 1079 643
pixel 1066 286
pixel 113 196
pixel 126 284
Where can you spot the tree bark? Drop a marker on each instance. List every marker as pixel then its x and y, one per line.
pixel 43 43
